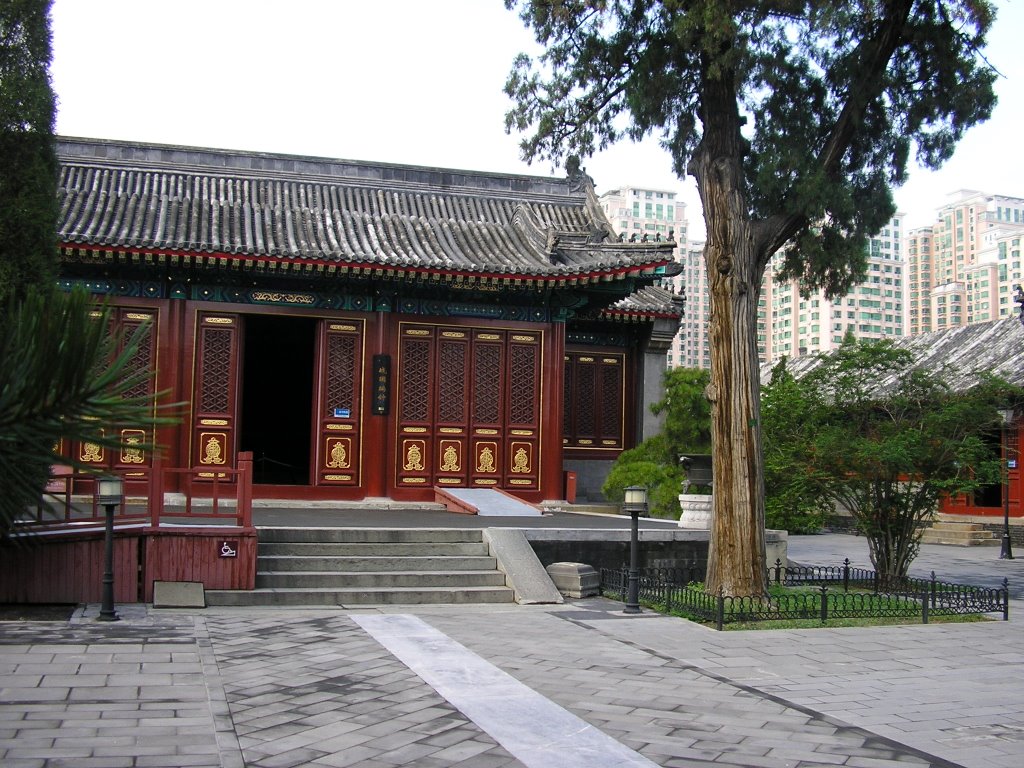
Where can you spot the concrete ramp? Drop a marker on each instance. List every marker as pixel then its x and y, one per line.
pixel 485 502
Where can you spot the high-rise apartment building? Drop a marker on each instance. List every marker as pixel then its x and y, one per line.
pixel 962 269
pixel 691 347
pixel 790 325
pixel 641 211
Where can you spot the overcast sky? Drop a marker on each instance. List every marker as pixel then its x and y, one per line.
pixel 404 81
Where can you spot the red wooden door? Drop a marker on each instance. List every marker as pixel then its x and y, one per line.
pixel 468 409
pixel 215 392
pixel 129 460
pixel 338 451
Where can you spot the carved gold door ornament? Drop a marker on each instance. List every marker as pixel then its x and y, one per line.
pixel 130 452
pixel 91 453
pixel 450 458
pixel 339 454
pixel 213 447
pixel 485 459
pixel 413 456
pixel 521 461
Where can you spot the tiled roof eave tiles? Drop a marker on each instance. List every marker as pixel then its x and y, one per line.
pixel 86 254
pixel 200 205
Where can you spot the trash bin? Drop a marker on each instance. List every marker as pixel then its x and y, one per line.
pixel 570 487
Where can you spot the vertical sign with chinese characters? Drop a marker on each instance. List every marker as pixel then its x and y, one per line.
pixel 381 385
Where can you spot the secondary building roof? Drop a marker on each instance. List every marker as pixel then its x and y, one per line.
pixel 200 206
pixel 961 354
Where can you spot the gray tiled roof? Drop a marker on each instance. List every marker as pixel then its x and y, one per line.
pixel 962 353
pixel 125 197
pixel 651 300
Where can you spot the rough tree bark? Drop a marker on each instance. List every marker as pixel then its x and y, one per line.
pixel 736 556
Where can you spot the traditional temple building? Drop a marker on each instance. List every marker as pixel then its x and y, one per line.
pixel 962 355
pixel 370 329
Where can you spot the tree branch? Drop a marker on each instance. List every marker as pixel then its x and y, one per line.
pixel 875 53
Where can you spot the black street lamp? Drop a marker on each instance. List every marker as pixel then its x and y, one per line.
pixel 1006 550
pixel 109 493
pixel 635 503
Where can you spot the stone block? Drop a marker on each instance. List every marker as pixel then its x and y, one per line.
pixel 575 579
pixel 178 594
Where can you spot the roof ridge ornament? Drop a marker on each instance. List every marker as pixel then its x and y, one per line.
pixel 601 230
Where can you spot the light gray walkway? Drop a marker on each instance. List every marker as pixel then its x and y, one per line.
pixel 530 726
pixel 290 687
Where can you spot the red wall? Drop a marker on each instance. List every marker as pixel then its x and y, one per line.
pixel 964 505
pixel 69 568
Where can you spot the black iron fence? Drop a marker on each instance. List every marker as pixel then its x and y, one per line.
pixel 831 592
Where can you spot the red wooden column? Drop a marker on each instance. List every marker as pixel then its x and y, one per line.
pixel 376 429
pixel 552 413
pixel 174 375
pixel 1013 454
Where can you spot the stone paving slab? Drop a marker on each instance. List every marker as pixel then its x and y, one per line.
pixel 308 687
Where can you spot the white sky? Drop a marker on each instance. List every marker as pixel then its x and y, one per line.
pixel 405 81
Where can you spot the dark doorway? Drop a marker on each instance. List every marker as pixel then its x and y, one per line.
pixel 277 397
pixel 991 494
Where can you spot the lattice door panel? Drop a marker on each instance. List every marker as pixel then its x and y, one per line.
pixel 339 402
pixel 416 390
pixel 125 322
pixel 594 400
pixel 215 397
pixel 522 416
pixel 488 409
pixel 453 388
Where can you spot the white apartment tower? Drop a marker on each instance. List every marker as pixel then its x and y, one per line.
pixel 642 211
pixel 691 347
pixel 963 268
pixel 790 325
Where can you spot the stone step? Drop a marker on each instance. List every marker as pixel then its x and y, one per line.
pixel 383 563
pixel 962 538
pixel 372 549
pixel 371 566
pixel 346 597
pixel 949 525
pixel 370 535
pixel 381 580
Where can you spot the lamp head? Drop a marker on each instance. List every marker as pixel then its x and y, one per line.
pixel 635 498
pixel 109 490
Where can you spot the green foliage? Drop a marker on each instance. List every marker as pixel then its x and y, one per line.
pixel 655 462
pixel 793 498
pixel 62 375
pixel 687 412
pixel 28 160
pixel 822 103
pixel 646 465
pixel 868 430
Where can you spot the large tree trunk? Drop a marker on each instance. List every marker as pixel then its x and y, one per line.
pixel 736 557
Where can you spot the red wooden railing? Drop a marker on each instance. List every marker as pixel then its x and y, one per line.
pixel 70 503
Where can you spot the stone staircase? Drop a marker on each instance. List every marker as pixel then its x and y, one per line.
pixel 369 566
pixel 959 534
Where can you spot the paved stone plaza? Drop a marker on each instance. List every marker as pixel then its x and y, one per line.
pixel 482 686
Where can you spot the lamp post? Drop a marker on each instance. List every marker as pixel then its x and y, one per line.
pixel 109 493
pixel 635 503
pixel 1006 550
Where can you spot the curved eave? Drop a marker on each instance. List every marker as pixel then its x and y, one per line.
pixel 634 316
pixel 309 267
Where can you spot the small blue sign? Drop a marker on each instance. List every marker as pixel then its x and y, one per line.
pixel 342 413
pixel 1011 463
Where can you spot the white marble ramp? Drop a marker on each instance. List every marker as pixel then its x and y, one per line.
pixel 490 503
pixel 535 730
